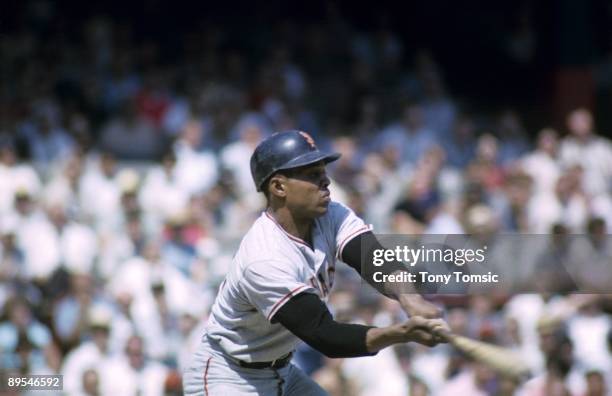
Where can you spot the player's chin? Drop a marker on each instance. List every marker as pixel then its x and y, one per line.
pixel 322 207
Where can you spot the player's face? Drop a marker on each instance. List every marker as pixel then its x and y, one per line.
pixel 307 190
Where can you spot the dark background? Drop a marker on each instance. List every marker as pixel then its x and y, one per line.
pixel 469 39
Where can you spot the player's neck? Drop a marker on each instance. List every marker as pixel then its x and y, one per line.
pixel 293 225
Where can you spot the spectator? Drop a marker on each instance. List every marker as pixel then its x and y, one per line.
pixel 23 339
pixel 70 316
pixel 588 331
pixel 518 192
pixel 99 194
pixel 196 169
pixel 37 238
pixel 476 380
pixel 485 168
pixel 15 177
pixel 118 247
pixel 11 257
pixel 152 100
pixel 542 164
pixel 235 157
pixel 461 143
pixel 91 383
pixel 589 258
pixel 554 265
pixel 89 354
pixel 512 136
pixel 191 327
pixel 131 373
pixel 410 135
pixel 161 195
pixel 78 243
pixel 48 142
pixel 124 322
pixel 367 124
pixel 63 186
pixel 160 291
pixel 569 206
pixel 131 136
pixel 439 109
pixel 123 82
pixel 596 385
pixel 591 152
pixel 345 171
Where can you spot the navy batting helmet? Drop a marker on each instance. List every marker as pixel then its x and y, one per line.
pixel 285 150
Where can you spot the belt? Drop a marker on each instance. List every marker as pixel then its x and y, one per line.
pixel 274 364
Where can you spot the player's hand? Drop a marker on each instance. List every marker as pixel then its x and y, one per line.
pixel 415 305
pixel 425 331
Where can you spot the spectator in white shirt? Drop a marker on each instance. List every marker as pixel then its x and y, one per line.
pixel 89 354
pixel 131 373
pixel 542 164
pixel 476 380
pixel 568 206
pixel 117 247
pixel 15 177
pixel 235 157
pixel 100 194
pixel 63 187
pixel 590 151
pixel 144 277
pixel 78 243
pixel 588 332
pixel 37 238
pixel 161 195
pixel 196 169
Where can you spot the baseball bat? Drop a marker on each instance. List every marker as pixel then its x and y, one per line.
pixel 570 306
pixel 502 360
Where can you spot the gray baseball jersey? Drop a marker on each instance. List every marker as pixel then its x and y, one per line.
pixel 270 267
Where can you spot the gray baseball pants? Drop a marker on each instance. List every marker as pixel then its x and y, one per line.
pixel 213 373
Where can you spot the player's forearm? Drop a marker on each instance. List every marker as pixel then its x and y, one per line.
pixel 308 318
pixel 416 329
pixel 410 300
pixel 340 340
pixel 398 290
pixel 378 338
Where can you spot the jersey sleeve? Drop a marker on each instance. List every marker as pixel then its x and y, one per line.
pixel 268 285
pixel 347 226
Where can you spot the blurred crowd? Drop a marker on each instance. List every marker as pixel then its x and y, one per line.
pixel 125 188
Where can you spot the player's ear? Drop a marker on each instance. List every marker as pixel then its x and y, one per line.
pixel 277 186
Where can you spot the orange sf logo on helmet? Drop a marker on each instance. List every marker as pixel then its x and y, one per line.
pixel 309 139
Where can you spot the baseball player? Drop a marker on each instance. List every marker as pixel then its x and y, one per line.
pixel 282 273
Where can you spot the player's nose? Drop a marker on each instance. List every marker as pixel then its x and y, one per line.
pixel 325 182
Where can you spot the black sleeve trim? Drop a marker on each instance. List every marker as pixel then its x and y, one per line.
pixel 359 254
pixel 306 316
pixel 362 247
